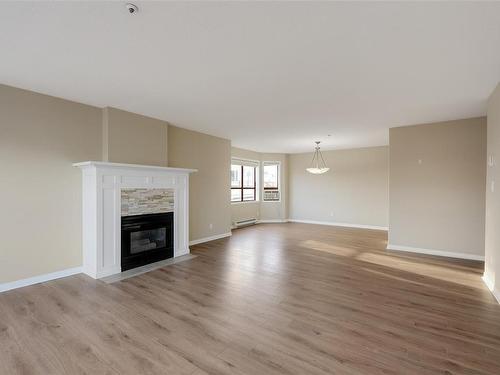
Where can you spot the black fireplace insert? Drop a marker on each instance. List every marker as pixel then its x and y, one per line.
pixel 147 239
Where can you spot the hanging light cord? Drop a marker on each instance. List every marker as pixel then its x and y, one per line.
pixel 323 160
pixel 317 155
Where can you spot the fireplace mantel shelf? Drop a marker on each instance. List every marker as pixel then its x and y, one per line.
pixel 102 184
pixel 105 164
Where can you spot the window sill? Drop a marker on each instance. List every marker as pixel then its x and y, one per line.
pixel 245 202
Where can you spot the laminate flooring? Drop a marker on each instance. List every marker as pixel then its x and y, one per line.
pixel 272 299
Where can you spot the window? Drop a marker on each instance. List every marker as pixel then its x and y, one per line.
pixel 271 176
pixel 243 183
pixel 271 181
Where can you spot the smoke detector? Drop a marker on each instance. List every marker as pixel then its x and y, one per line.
pixel 132 8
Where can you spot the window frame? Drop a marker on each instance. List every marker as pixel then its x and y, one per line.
pixel 271 164
pixel 278 164
pixel 242 186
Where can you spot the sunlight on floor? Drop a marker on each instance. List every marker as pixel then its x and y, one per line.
pixel 327 248
pixel 429 270
pixel 417 266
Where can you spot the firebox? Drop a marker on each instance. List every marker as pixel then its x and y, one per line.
pixel 147 239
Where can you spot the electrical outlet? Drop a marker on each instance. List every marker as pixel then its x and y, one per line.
pixel 331 214
pixel 492 186
pixel 210 226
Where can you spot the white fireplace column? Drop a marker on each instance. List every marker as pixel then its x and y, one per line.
pixel 102 183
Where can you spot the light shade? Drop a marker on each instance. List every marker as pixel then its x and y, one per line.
pixel 315 170
pixel 318 165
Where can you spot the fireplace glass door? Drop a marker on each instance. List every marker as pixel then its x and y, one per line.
pixel 146 239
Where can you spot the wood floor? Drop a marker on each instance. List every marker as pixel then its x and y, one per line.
pixel 272 299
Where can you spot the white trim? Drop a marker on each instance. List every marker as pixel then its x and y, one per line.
pixel 86 164
pixel 105 273
pixel 272 221
pixel 496 294
pixel 102 184
pixel 146 268
pixel 181 252
pixel 39 279
pixel 491 286
pixel 245 202
pixel 237 159
pixel 439 253
pixel 349 225
pixel 488 281
pixel 211 238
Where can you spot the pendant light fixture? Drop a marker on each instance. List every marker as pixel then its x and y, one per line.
pixel 318 165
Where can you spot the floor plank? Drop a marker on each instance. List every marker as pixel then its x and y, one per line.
pixel 272 299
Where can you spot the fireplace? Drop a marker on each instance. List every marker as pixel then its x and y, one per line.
pixel 146 239
pixel 114 193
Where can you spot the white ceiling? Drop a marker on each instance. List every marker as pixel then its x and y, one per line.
pixel 270 76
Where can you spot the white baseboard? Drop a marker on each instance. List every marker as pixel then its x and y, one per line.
pixel 180 252
pixel 488 281
pixel 491 286
pixel 39 279
pixel 348 225
pixel 146 268
pixel 211 238
pixel 439 253
pixel 272 221
pixel 496 294
pixel 106 272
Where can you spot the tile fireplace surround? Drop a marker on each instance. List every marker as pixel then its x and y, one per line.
pixel 102 185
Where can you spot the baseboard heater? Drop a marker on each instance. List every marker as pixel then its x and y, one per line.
pixel 245 223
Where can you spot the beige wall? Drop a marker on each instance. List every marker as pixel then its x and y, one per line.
pixel 492 238
pixel 354 191
pixel 135 139
pixel 276 210
pixel 245 154
pixel 439 202
pixel 247 210
pixel 209 194
pixel 260 210
pixel 40 137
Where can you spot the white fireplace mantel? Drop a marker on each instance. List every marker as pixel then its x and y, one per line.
pixel 102 183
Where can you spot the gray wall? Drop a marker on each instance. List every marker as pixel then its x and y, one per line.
pixel 439 202
pixel 492 242
pixel 354 191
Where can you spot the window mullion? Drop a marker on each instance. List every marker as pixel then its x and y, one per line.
pixel 254 184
